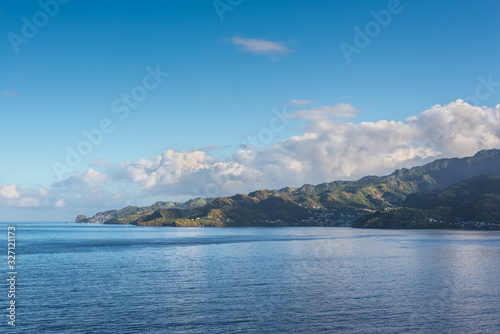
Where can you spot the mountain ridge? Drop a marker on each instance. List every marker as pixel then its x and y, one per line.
pixel 336 200
pixel 473 203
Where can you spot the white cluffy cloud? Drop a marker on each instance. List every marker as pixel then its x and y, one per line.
pixel 259 46
pixel 9 192
pixel 12 196
pixel 329 149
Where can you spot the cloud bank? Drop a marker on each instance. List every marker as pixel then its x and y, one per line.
pixel 329 149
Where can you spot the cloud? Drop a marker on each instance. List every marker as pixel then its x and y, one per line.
pixel 208 148
pixel 341 110
pixel 29 202
pixel 88 182
pixel 93 177
pixel 82 190
pixel 13 196
pixel 180 173
pixel 99 162
pixel 9 192
pixel 260 46
pixel 7 93
pixel 458 128
pixel 328 150
pixel 300 102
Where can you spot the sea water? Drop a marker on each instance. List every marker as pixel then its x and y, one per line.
pixel 83 278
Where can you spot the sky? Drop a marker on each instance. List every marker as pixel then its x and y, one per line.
pixel 105 104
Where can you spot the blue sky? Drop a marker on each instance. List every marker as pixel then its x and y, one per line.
pixel 225 78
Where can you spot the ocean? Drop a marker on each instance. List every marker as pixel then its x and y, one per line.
pixel 82 278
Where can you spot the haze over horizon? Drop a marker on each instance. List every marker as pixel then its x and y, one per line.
pixel 107 105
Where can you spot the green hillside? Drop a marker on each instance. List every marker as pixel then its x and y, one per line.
pixel 129 214
pixel 239 210
pixel 474 203
pixel 340 201
pixel 373 192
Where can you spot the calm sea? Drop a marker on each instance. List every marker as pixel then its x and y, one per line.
pixel 115 279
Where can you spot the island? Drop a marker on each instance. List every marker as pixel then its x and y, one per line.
pixel 461 193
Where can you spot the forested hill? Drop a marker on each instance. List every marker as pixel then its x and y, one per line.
pixel 297 205
pixel 373 192
pixel 473 203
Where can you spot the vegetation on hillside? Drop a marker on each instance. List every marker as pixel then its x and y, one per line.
pixel 474 203
pixel 340 199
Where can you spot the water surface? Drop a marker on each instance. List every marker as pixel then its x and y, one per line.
pixel 77 278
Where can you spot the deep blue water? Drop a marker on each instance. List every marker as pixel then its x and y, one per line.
pixel 112 279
